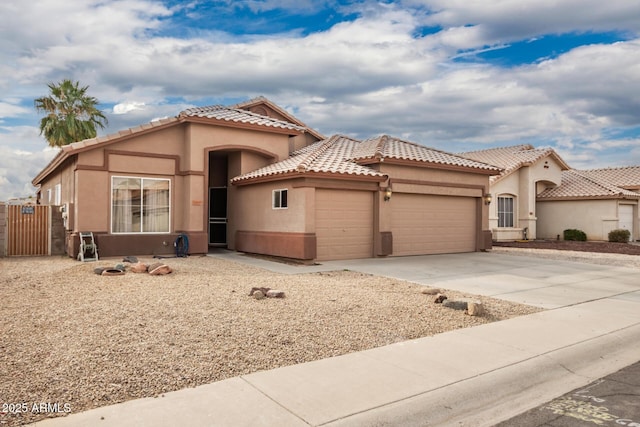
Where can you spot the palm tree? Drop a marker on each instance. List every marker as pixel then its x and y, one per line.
pixel 71 114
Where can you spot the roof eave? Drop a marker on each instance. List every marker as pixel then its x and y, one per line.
pixel 309 174
pixel 240 125
pixel 425 164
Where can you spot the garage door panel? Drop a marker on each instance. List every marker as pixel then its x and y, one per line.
pixel 427 224
pixel 344 224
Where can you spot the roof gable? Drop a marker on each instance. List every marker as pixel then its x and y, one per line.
pixel 265 107
pixel 512 158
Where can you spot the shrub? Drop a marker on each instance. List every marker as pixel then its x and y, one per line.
pixel 573 234
pixel 620 235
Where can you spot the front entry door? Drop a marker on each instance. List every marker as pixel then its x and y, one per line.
pixel 218 216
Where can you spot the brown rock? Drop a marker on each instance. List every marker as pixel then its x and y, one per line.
pixel 258 294
pixel 475 308
pixel 440 298
pixel 273 293
pixel 263 290
pixel 139 267
pixel 159 270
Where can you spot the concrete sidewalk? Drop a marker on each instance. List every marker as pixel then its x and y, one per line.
pixel 476 376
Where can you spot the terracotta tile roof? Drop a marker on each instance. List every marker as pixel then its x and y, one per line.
pixel 627 177
pixel 387 147
pixel 342 155
pixel 261 100
pixel 238 115
pixel 579 185
pixel 513 158
pixel 329 156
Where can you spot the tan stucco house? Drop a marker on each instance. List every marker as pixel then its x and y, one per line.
pixel 595 201
pixel 527 172
pixel 538 195
pixel 253 178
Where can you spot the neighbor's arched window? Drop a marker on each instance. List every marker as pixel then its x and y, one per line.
pixel 506 211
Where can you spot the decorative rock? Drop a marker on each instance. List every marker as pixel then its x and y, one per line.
pixel 99 270
pixel 430 291
pixel 120 266
pixel 112 272
pixel 440 298
pixel 263 290
pixel 272 293
pixel 139 267
pixel 475 308
pixel 258 294
pixel 154 265
pixel 130 259
pixel 159 270
pixel 456 305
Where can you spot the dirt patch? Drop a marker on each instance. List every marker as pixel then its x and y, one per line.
pixel 564 245
pixel 79 340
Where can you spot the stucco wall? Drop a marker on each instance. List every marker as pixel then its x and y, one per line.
pixel 524 184
pixel 595 217
pixel 254 209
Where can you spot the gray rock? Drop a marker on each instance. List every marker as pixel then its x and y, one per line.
pixel 456 305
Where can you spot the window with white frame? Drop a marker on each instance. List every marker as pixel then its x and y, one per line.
pixel 280 199
pixel 140 205
pixel 505 211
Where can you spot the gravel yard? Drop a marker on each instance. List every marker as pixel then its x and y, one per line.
pixel 79 340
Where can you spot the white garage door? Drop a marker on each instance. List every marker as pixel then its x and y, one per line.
pixel 625 218
pixel 426 224
pixel 344 224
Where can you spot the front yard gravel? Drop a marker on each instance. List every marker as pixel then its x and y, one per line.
pixel 79 340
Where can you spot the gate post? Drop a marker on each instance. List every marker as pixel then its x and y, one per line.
pixel 3 229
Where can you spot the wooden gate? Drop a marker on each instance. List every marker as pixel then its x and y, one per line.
pixel 28 229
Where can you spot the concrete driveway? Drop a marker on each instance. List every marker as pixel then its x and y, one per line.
pixel 540 282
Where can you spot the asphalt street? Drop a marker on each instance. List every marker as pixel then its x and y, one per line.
pixel 611 401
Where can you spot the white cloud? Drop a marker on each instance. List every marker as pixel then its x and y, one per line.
pixel 126 107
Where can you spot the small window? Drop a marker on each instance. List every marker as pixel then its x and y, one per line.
pixel 280 199
pixel 505 211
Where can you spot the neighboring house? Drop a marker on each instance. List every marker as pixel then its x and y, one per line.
pixel 594 201
pixel 527 172
pixel 253 178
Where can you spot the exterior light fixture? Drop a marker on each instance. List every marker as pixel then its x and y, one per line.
pixel 487 198
pixel 387 194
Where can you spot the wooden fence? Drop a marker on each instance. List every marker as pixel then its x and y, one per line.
pixel 28 230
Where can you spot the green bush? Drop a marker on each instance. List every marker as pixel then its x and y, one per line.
pixel 621 235
pixel 573 234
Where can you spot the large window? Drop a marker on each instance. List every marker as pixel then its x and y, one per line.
pixel 139 205
pixel 505 211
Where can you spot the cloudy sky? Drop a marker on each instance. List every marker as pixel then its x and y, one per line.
pixel 457 75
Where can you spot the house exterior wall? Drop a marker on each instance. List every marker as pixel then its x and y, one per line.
pixel 3 229
pixel 178 153
pixel 523 184
pixel 595 217
pixel 259 228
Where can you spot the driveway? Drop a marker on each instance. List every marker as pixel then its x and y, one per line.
pixel 545 283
